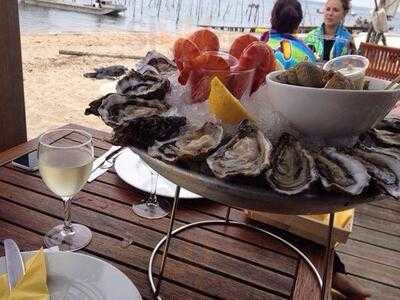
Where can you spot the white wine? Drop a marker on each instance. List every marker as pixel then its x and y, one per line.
pixel 65 172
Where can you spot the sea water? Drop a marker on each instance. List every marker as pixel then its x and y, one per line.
pixel 171 15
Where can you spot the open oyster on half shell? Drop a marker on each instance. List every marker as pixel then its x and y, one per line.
pixel 116 110
pixel 292 167
pixel 340 171
pixel 246 154
pixel 193 144
pixel 391 124
pixel 383 165
pixel 381 138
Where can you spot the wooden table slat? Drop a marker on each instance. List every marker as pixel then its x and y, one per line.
pixel 237 248
pixel 205 263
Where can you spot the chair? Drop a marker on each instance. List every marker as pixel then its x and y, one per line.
pixel 384 61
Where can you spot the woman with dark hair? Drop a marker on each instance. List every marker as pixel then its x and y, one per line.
pixel 286 17
pixel 332 39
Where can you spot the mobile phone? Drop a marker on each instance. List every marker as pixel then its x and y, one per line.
pixel 27 161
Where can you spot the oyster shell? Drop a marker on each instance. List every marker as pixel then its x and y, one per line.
pixel 193 144
pixel 381 138
pixel 116 110
pixel 340 171
pixel 305 74
pixel 339 82
pixel 389 124
pixel 111 72
pixel 146 86
pixel 143 132
pixel 292 167
pixel 247 153
pixel 159 61
pixel 383 166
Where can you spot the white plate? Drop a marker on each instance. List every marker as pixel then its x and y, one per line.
pixel 75 276
pixel 135 172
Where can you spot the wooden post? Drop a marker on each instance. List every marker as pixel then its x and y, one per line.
pixel 12 106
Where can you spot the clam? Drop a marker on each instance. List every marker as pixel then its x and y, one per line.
pixel 292 167
pixel 146 86
pixel 340 171
pixel 339 82
pixel 193 144
pixel 143 132
pixel 246 154
pixel 305 74
pixel 384 167
pixel 116 110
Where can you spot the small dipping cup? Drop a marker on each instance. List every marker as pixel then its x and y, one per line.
pixel 351 66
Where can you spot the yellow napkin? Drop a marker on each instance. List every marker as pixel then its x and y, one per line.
pixel 341 218
pixel 33 285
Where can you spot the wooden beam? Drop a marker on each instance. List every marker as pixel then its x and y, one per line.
pixel 12 107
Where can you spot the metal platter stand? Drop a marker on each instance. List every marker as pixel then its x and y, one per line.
pixel 253 198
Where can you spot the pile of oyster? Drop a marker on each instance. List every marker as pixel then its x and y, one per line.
pixel 140 117
pixel 288 167
pixel 137 111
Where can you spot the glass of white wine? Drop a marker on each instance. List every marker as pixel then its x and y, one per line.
pixel 65 166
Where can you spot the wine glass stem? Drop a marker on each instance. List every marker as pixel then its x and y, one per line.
pixel 67 215
pixel 152 200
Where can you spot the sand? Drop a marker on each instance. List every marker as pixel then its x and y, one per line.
pixel 56 93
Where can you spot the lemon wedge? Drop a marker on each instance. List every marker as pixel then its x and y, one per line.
pixel 224 105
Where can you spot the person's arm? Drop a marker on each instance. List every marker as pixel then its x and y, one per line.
pixel 352 46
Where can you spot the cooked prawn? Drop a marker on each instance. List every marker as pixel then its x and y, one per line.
pixel 240 44
pixel 184 50
pixel 203 68
pixel 259 56
pixel 205 39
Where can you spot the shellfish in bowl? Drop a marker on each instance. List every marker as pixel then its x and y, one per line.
pixel 330 114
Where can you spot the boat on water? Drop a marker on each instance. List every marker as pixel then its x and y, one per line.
pixel 96 7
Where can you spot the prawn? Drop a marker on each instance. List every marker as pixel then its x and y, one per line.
pixel 259 56
pixel 205 40
pixel 203 68
pixel 184 50
pixel 240 44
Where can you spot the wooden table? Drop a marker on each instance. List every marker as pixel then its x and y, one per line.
pixel 206 263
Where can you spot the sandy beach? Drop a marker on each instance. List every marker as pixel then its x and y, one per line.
pixel 56 93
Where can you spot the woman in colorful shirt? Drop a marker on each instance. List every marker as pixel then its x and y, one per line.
pixel 286 17
pixel 332 39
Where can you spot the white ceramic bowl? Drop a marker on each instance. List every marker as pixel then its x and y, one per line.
pixel 328 113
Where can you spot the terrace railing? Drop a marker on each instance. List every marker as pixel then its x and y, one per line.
pixel 384 61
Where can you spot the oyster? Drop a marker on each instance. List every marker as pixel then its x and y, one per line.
pixel 292 167
pixel 247 153
pixel 341 171
pixel 305 74
pixel 116 110
pixel 390 124
pixel 146 86
pixel 193 144
pixel 381 138
pixel 383 166
pixel 143 132
pixel 111 72
pixel 159 61
pixel 339 82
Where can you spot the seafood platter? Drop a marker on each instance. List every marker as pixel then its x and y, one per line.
pixel 203 120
